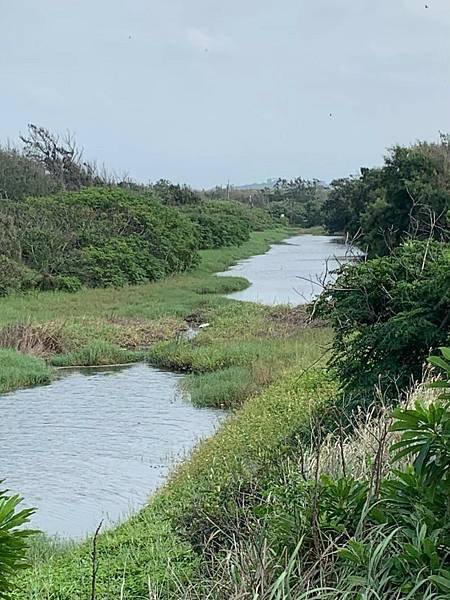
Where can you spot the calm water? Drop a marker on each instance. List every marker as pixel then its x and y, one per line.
pixel 289 273
pixel 95 443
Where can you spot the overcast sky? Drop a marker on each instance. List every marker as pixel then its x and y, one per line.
pixel 202 91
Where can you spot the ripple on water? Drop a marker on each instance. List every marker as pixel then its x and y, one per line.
pixel 95 443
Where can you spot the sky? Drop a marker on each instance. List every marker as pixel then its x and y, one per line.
pixel 209 91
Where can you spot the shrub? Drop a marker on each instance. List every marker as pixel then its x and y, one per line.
pixel 387 313
pixel 15 277
pixel 222 224
pixel 99 236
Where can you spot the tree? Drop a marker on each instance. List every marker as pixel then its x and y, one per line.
pixel 387 314
pixel 61 158
pixel 409 197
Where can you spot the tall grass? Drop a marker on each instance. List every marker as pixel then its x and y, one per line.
pixel 18 370
pixel 97 353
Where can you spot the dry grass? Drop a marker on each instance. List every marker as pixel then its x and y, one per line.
pixel 40 340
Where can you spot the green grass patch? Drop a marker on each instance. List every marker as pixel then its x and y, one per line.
pixel 97 353
pixel 225 371
pixel 223 388
pixel 19 370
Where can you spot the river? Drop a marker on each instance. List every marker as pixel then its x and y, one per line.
pixel 291 272
pixel 95 443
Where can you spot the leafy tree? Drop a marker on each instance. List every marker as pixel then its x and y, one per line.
pixel 409 197
pixel 299 200
pixel 387 313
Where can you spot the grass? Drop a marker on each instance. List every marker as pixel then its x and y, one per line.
pixel 90 322
pixel 97 353
pixel 223 388
pixel 19 370
pixel 245 348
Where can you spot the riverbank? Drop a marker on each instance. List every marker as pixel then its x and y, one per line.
pixel 114 325
pixel 264 362
pixel 156 549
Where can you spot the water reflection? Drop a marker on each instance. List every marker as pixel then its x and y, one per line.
pixel 291 272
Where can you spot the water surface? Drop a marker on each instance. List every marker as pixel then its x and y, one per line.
pixel 291 272
pixel 95 443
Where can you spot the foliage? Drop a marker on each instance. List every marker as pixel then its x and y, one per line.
pixel 225 223
pixel 174 194
pixel 13 540
pixel 409 197
pixel 21 177
pixel 387 313
pixel 298 200
pixel 98 237
pixel 15 277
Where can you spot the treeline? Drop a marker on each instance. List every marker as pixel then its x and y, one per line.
pixel 407 198
pixel 299 202
pixel 65 224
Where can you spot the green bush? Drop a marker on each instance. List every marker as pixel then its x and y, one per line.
pixel 220 224
pixel 98 237
pixel 15 277
pixel 387 313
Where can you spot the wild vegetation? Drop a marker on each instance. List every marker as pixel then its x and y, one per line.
pixel 329 479
pixel 409 197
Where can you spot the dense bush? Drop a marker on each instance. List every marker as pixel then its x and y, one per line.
pixel 15 277
pixel 409 197
pixel 387 313
pixel 221 224
pixel 97 237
